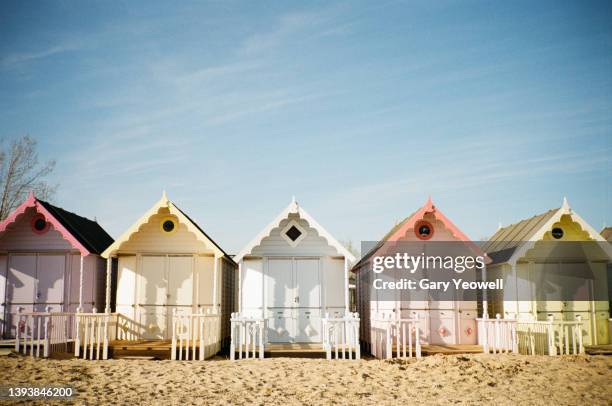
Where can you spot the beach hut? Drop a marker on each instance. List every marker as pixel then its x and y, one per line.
pixel 49 260
pixel 293 276
pixel 541 257
pixel 438 322
pixel 171 274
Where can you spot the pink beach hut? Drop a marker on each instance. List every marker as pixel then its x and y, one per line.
pixel 405 321
pixel 49 260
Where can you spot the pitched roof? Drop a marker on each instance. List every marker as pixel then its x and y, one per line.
pixel 509 237
pixel 84 234
pixel 399 230
pixel 164 202
pixel 294 207
pixel 510 243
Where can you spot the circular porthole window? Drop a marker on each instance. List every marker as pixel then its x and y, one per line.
pixel 39 224
pixel 423 230
pixel 557 233
pixel 168 225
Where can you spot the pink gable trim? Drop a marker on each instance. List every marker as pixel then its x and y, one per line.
pixel 31 201
pixel 428 208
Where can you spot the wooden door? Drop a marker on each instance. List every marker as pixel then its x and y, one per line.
pixel 180 287
pixel 50 275
pixel 280 300
pixel 20 287
pixel 152 297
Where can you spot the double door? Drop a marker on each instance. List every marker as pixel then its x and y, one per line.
pixel 165 283
pixel 292 293
pixel 34 281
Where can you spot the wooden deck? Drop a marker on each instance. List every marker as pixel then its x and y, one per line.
pixel 450 349
pixel 603 349
pixel 155 349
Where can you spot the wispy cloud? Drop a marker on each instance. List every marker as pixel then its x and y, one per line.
pixel 25 57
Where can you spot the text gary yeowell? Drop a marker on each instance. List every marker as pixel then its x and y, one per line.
pixel 412 263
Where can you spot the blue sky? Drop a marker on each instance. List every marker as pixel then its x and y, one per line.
pixel 359 109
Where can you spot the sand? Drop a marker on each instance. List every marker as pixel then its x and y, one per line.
pixel 452 379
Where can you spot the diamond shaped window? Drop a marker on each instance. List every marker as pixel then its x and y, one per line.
pixel 293 233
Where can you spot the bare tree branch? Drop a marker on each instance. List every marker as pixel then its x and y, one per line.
pixel 20 173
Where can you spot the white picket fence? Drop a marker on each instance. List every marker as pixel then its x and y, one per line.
pixel 404 333
pixel 195 335
pixel 247 336
pixel 92 334
pixel 341 336
pixel 531 337
pixel 497 336
pixel 43 333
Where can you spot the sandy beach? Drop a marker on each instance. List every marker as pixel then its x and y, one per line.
pixel 463 379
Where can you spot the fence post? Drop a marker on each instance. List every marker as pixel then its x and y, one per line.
pixel 485 335
pixel 47 340
pixel 18 328
pixel 173 346
pixel 232 336
pixel 77 338
pixel 552 350
pixel 389 341
pixel 261 338
pixel 356 336
pixel 580 347
pixel 417 340
pixel 105 343
pixel 496 344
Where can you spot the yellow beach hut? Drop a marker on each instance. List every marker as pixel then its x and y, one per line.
pixel 539 258
pixel 174 284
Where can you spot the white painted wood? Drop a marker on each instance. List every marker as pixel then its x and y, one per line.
pixel 180 280
pixel 126 285
pixel 50 274
pixel 205 280
pixel 253 277
pixel 152 297
pixel 311 245
pixel 150 238
pixel 307 283
pixel 280 286
pixel 3 297
pixel 81 287
pixel 22 279
pixel 19 237
pixel 107 293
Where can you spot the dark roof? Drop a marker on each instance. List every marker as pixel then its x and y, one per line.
pixel 203 232
pixel 87 232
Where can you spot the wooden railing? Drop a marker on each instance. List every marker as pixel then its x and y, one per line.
pixel 405 333
pixel 92 332
pixel 341 336
pixel 247 336
pixel 195 335
pixel 530 337
pixel 497 336
pixel 43 333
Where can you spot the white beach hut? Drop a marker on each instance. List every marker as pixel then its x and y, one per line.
pixel 294 281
